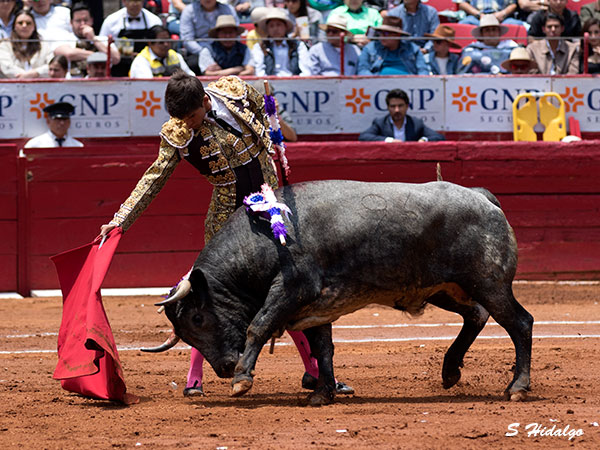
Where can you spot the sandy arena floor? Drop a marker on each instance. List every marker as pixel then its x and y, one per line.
pixel 396 371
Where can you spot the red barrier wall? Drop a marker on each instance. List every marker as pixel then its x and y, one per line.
pixel 549 192
pixel 8 217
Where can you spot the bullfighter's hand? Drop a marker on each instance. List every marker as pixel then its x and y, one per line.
pixel 105 229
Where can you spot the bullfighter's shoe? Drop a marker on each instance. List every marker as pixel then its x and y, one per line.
pixel 193 391
pixel 310 382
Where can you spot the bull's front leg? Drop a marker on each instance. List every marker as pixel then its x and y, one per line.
pixel 266 322
pixel 321 346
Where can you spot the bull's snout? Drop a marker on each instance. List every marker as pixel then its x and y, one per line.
pixel 226 367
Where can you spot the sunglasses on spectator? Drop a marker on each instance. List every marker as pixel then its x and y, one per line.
pixel 332 31
pixel 519 66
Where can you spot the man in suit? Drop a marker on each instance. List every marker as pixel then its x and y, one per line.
pixel 397 126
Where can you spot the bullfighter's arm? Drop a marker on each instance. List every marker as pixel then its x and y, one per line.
pixel 148 187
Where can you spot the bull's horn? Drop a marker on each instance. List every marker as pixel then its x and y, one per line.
pixel 169 343
pixel 182 290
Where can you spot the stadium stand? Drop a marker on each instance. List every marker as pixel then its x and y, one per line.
pixel 575 5
pixel 463 35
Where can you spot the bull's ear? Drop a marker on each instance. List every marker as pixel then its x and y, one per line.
pixel 199 285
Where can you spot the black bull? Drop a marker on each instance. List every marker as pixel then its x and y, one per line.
pixel 351 244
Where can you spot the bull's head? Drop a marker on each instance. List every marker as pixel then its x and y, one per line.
pixel 201 320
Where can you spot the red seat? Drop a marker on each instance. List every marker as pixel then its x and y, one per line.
pixel 517 33
pixel 463 35
pixel 442 5
pixel 575 5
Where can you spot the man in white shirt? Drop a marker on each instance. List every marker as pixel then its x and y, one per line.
pixel 59 120
pixel 49 17
pixel 158 59
pixel 80 44
pixel 132 17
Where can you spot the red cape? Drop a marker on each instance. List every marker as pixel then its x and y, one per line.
pixel 88 362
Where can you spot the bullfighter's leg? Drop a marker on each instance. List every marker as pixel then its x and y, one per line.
pixel 518 323
pixel 310 363
pixel 311 374
pixel 322 345
pixel 474 319
pixel 193 387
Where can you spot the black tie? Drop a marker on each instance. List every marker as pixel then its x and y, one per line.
pixel 134 19
pixel 60 141
pixel 224 124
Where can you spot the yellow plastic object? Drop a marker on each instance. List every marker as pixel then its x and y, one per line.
pixel 524 118
pixel 552 117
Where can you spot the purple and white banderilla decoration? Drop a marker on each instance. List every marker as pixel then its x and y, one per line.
pixel 266 205
pixel 275 132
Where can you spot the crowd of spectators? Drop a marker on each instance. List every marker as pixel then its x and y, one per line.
pixel 53 38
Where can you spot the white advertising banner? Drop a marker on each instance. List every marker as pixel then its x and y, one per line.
pixel 317 105
pixel 485 103
pixel 101 108
pixel 363 99
pixel 11 111
pixel 582 100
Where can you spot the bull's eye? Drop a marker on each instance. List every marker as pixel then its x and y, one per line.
pixel 197 320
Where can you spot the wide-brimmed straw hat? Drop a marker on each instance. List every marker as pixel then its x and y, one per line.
pixel 392 24
pixel 275 13
pixel 225 21
pixel 488 20
pixel 518 54
pixel 258 13
pixel 336 21
pixel 446 33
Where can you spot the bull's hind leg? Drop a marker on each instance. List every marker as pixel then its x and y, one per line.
pixel 321 345
pixel 518 323
pixel 475 317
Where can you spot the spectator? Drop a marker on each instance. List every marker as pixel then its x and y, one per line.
pixel 158 59
pixel 243 8
pixel 197 19
pixel 389 55
pixel 285 120
pixel 360 18
pixel 228 56
pixel 58 119
pixel 324 57
pixel 489 51
pixel 130 25
pixel 441 61
pixel 175 9
pixel 49 18
pixel 527 7
pixel 592 26
pixel 589 11
pixel 8 8
pixel 277 55
pixel 502 10
pixel 254 36
pixel 554 56
pixel 325 6
pixel 417 20
pixel 519 63
pixel 58 67
pixel 397 125
pixel 24 55
pixel 96 65
pixel 307 20
pixel 570 20
pixel 131 22
pixel 83 42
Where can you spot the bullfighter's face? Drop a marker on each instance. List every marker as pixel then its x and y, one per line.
pixel 194 119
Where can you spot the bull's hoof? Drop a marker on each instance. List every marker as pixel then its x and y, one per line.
pixel 517 396
pixel 240 387
pixel 320 398
pixel 450 378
